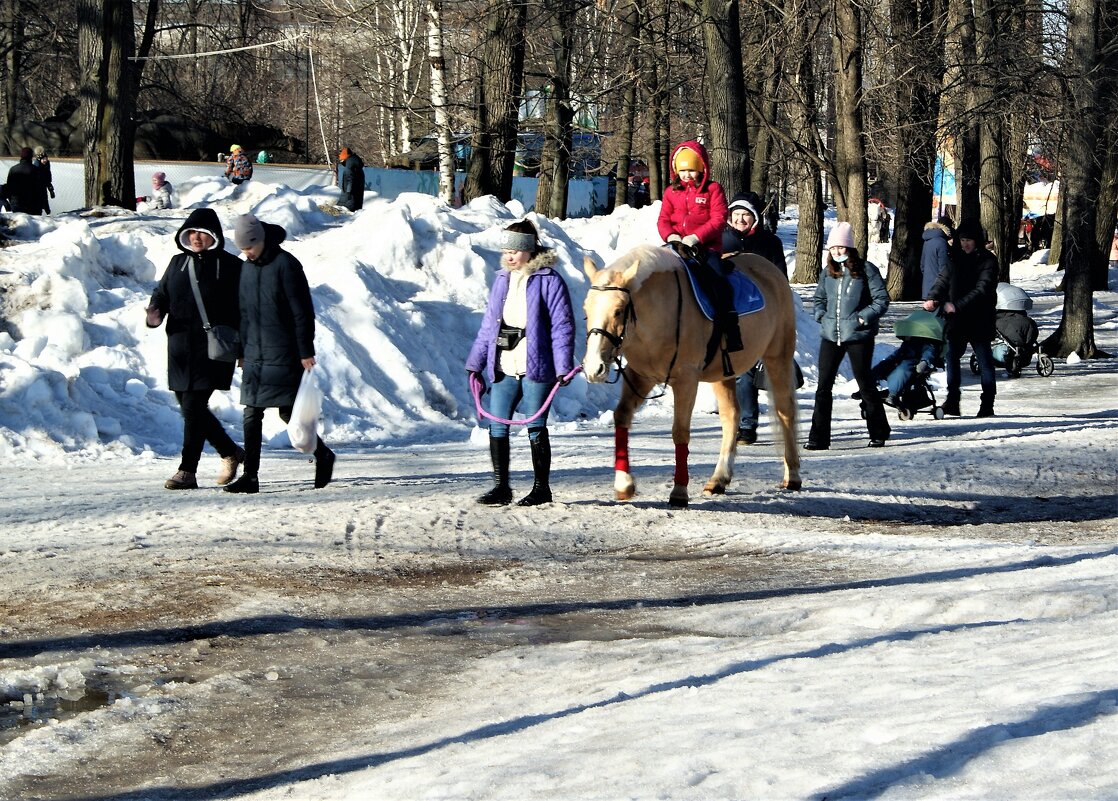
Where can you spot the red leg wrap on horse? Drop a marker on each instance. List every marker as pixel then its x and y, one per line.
pixel 681 452
pixel 621 449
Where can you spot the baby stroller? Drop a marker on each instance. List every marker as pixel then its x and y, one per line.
pixel 1015 342
pixel 917 332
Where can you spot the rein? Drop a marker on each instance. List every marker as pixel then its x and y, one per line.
pixel 476 386
pixel 631 313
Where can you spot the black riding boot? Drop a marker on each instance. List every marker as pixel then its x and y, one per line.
pixel 733 333
pixel 501 494
pixel 541 468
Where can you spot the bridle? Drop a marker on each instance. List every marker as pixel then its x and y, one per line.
pixel 630 313
pixel 616 340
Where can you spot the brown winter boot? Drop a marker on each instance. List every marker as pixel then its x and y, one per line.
pixel 229 467
pixel 181 480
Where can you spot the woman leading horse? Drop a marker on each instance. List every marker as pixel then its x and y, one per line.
pixel 641 307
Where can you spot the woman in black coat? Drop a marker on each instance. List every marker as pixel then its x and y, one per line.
pixel 277 337
pixel 191 374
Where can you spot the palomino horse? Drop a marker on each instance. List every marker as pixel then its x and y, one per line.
pixel 641 307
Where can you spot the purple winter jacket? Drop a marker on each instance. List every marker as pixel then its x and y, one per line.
pixel 550 330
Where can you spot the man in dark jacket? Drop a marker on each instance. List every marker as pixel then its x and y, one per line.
pixel 351 179
pixel 967 290
pixel 25 188
pixel 191 374
pixel 933 256
pixel 745 234
pixel 277 337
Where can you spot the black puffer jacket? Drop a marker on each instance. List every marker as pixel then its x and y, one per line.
pixel 219 274
pixel 277 324
pixel 970 281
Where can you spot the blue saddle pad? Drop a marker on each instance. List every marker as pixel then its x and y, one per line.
pixel 747 297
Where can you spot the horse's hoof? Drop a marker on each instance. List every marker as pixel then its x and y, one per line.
pixel 714 489
pixel 625 494
pixel 794 486
pixel 678 498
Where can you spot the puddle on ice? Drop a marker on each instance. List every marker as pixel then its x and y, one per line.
pixel 40 708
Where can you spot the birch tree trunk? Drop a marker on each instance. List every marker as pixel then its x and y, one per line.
pixel 438 100
pixel 105 43
pixel 850 149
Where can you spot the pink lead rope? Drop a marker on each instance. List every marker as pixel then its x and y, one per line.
pixel 476 385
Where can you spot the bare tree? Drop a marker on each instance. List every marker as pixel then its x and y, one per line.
pixel 13 46
pixel 918 28
pixel 106 42
pixel 725 91
pixel 962 99
pixel 497 103
pixel 554 186
pixel 803 25
pixel 628 22
pixel 850 151
pixel 1092 30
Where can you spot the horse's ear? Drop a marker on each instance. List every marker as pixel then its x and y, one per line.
pixel 589 268
pixel 631 273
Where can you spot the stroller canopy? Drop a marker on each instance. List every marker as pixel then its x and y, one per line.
pixel 920 323
pixel 1013 298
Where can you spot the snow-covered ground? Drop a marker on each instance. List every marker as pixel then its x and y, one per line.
pixel 936 619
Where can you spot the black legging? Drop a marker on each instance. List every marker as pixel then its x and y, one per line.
pixel 830 357
pixel 199 425
pixel 254 435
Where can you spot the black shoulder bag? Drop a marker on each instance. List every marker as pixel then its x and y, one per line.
pixel 223 342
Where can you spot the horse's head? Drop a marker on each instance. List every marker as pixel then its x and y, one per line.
pixel 608 307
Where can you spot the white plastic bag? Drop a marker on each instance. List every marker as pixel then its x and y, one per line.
pixel 302 429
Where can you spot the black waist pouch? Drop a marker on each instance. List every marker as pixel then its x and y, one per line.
pixel 508 337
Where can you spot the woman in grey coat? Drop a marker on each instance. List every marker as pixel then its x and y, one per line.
pixel 277 338
pixel 849 302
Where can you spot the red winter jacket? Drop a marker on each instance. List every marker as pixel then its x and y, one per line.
pixel 698 209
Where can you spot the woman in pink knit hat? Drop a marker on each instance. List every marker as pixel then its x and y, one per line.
pixel 849 301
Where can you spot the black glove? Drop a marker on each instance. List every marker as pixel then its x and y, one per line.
pixel 564 380
pixel 680 248
pixel 480 378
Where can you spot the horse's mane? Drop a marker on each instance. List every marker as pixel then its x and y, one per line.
pixel 649 258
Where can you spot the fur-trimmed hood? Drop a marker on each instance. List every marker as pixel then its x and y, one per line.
pixel 204 220
pixel 544 257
